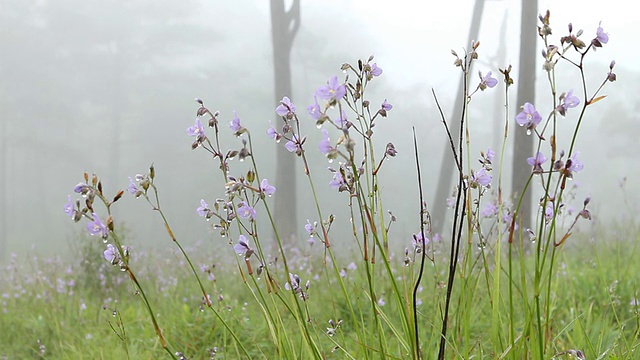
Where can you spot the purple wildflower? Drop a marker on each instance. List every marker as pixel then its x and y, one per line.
pixel 325 144
pixel 204 209
pixel 548 211
pixel 314 109
pixel 234 124
pixel 267 188
pixel 133 188
pixel 338 181
pixel 386 106
pixel 242 247
pixel 375 71
pixel 489 210
pixel 481 177
pixel 568 101
pixel 293 145
pixel 111 254
pixel 490 154
pixel 246 211
pixel 197 131
pixel 69 208
pixel 418 242
pixel 97 227
pixel 294 285
pixel 333 91
pixel 487 81
pixel 573 164
pixel 528 117
pixel 286 108
pixel 536 162
pixel 82 188
pixel 310 229
pixel 273 133
pixel 602 36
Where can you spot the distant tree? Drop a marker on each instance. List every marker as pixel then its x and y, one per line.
pixel 284 26
pixel 443 190
pixel 523 143
pixel 86 73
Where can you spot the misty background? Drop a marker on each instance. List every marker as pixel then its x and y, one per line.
pixel 108 87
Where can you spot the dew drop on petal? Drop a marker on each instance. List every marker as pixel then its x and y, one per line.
pixel 318 126
pixel 528 131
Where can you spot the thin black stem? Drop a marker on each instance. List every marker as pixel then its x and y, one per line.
pixel 458 216
pixel 418 353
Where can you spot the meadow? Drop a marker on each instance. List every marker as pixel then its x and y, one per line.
pixel 83 309
pixel 492 286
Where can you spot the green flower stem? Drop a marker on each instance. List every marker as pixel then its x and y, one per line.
pixel 206 297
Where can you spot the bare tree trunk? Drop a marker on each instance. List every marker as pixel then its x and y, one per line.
pixel 523 143
pixel 443 190
pixel 284 26
pixel 3 188
pixel 498 104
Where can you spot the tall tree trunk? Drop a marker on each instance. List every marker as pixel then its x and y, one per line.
pixel 284 26
pixel 3 188
pixel 443 190
pixel 523 143
pixel 498 104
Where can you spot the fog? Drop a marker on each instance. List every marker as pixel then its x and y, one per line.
pixel 108 87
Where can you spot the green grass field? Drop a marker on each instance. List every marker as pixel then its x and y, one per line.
pixel 85 309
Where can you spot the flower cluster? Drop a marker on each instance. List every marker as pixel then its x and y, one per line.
pixel 482 178
pixel 294 285
pixel 96 226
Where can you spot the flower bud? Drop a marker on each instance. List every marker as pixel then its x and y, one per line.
pixel 585 214
pixel 145 184
pixel 118 196
pixel 391 150
pixel 110 223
